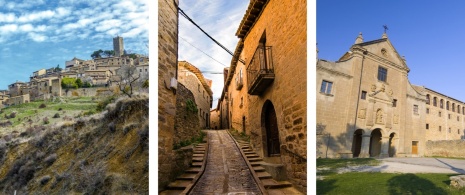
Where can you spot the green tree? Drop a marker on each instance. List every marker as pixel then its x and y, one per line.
pixel 97 54
pixel 79 83
pixel 109 53
pixel 58 68
pixel 68 83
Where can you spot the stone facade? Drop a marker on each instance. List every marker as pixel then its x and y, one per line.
pixel 445 120
pixel 191 77
pixel 167 71
pixel 21 99
pixel 273 113
pixel 118 46
pixel 186 122
pixel 366 106
pixel 446 148
pixel 215 119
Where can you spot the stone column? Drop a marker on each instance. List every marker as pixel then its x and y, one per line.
pixel 384 147
pixel 365 147
pixel 371 105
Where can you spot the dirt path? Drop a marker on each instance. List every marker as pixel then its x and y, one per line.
pixel 412 165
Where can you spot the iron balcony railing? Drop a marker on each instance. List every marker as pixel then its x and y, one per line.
pixel 260 70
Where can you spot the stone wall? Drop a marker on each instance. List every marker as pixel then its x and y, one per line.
pixel 283 25
pixel 186 122
pixel 449 124
pixel 215 119
pixel 167 64
pixel 193 83
pixel 84 92
pixel 445 148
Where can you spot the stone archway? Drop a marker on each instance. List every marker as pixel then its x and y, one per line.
pixel 392 144
pixel 357 143
pixel 271 141
pixel 375 143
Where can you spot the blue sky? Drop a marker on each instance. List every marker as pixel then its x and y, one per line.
pixel 36 34
pixel 430 34
pixel 220 19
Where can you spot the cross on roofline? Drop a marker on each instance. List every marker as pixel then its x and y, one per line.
pixel 385 28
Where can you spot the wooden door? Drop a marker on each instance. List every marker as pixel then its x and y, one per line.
pixel 272 132
pixel 414 147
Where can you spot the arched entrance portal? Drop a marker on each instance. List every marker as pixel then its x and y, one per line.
pixel 392 144
pixel 375 143
pixel 270 124
pixel 357 142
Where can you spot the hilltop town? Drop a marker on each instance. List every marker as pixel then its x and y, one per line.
pixel 101 74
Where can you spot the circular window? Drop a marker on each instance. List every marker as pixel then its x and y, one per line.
pixel 384 52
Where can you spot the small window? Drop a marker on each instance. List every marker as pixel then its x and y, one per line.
pixel 449 116
pixel 453 107
pixel 382 74
pixel 439 114
pixel 427 126
pixel 435 101
pixel 326 87
pixel 364 95
pixel 394 103
pixel 427 99
pixel 427 111
pixel 447 105
pixel 449 130
pixel 441 103
pixel 415 109
pixel 440 128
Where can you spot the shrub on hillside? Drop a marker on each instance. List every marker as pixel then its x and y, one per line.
pixel 112 127
pixel 6 123
pixel 56 115
pixel 50 159
pixel 91 178
pixel 59 109
pixel 42 105
pixel 44 180
pixel 102 104
pixel 46 121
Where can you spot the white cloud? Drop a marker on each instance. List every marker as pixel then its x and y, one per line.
pixel 132 33
pixel 37 37
pixel 36 16
pixel 107 25
pixel 9 28
pixel 9 17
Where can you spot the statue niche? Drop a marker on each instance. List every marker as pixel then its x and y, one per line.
pixel 379 116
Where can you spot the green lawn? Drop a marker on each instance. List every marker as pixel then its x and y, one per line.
pixel 378 183
pixel 29 114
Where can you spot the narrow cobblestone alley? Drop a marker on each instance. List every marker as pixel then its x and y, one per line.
pixel 226 171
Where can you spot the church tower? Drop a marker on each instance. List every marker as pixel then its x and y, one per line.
pixel 118 46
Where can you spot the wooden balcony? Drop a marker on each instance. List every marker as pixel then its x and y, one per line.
pixel 260 72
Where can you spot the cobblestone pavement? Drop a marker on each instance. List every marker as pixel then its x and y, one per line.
pixel 226 172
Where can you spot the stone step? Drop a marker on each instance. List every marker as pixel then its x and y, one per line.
pixel 178 185
pixel 171 192
pixel 199 151
pixel 258 169
pixel 257 163
pixel 186 176
pixel 245 146
pixel 197 164
pixel 273 184
pixel 193 170
pixel 198 155
pixel 246 150
pixel 263 175
pixel 254 159
pixel 197 159
pixel 287 190
pixel 251 155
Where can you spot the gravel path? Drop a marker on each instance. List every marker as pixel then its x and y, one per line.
pixel 412 165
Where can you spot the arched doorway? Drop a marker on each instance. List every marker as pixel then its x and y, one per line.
pixel 357 143
pixel 270 124
pixel 392 144
pixel 375 143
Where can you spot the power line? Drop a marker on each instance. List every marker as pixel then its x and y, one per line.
pixel 214 40
pixel 201 51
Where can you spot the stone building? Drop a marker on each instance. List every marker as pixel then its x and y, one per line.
pixel 445 116
pixel 191 77
pixel 215 119
pixel 366 106
pixel 118 46
pixel 20 99
pixel 167 83
pixel 266 84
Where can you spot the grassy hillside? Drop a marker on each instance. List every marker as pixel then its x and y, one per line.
pixel 104 153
